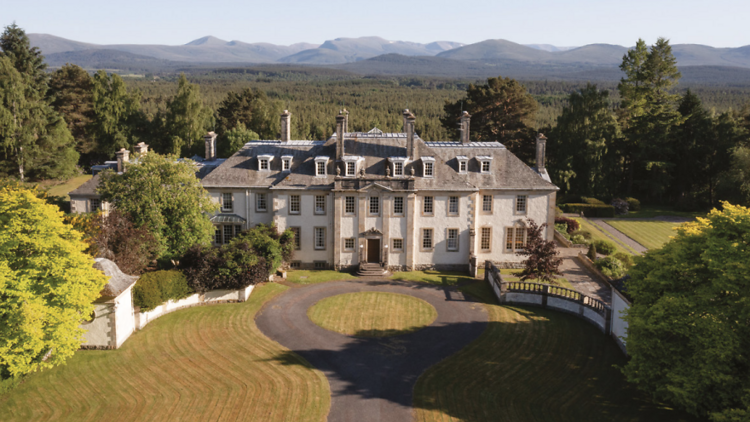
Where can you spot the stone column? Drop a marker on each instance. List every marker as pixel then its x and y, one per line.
pixel 337 213
pixel 411 237
pixel 386 213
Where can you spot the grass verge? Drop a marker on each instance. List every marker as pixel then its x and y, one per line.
pixel 440 278
pixel 303 277
pixel 198 364
pixel 651 211
pixel 532 364
pixel 372 314
pixel 651 234
pixel 599 234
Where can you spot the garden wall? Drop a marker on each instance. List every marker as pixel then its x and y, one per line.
pixel 212 297
pixel 619 329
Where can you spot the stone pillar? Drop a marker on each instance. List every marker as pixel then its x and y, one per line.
pixel 411 237
pixel 123 156
pixel 541 151
pixel 286 126
pixel 361 214
pixel 340 124
pixel 465 127
pixel 337 213
pixel 386 219
pixel 411 146
pixel 141 148
pixel 210 141
pixel 406 114
pixel 346 120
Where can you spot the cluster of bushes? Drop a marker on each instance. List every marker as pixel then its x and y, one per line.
pixel 593 207
pixel 248 259
pixel 590 210
pixel 157 287
pixel 615 265
pixel 611 267
pixel 570 224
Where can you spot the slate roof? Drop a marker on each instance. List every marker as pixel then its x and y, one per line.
pixel 88 188
pixel 118 281
pixel 375 147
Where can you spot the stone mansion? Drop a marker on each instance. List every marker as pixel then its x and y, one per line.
pixel 390 200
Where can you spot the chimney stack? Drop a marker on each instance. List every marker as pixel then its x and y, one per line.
pixel 346 121
pixel 465 126
pixel 406 114
pixel 541 150
pixel 411 146
pixel 210 140
pixel 141 148
pixel 123 156
pixel 340 125
pixel 286 126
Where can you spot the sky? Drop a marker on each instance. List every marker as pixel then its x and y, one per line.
pixel 718 23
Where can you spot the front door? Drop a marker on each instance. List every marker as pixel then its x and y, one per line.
pixel 373 250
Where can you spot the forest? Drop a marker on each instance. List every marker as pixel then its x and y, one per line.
pixel 647 136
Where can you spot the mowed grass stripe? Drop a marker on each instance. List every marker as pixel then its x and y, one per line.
pixel 203 363
pixel 372 314
pixel 650 234
pixel 532 364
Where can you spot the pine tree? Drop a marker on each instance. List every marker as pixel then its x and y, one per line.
pixel 114 112
pixel 186 119
pixel 502 111
pixel 253 109
pixel 28 61
pixel 70 94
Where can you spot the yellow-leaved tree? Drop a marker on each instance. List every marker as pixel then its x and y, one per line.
pixel 47 284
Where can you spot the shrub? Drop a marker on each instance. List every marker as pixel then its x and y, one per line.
pixel 611 267
pixel 579 240
pixel 591 201
pixel 590 210
pixel 120 241
pixel 592 252
pixel 558 211
pixel 626 259
pixel 155 288
pixel 633 204
pixel 586 234
pixel 621 207
pixel 562 229
pixel 571 225
pixel 605 247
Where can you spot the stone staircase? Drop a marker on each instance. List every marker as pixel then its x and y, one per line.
pixel 372 270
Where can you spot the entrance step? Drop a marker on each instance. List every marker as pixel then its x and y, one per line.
pixel 372 270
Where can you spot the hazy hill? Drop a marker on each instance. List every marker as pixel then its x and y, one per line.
pixel 110 59
pixel 346 50
pixel 497 50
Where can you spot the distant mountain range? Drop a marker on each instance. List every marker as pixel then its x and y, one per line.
pixel 375 55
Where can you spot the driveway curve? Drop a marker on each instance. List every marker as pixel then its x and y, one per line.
pixel 372 379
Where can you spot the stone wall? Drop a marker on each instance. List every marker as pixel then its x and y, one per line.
pixel 619 329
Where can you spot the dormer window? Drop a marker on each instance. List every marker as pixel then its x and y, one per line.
pixel 286 163
pixel 399 164
pixel 485 163
pixel 429 166
pixel 463 164
pixel 320 166
pixel 350 164
pixel 264 162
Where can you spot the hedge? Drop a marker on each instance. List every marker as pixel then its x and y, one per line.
pixel 155 288
pixel 605 247
pixel 611 267
pixel 633 204
pixel 590 210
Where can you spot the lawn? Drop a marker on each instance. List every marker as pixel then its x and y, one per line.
pixel 66 187
pixel 599 234
pixel 199 364
pixel 651 234
pixel 304 277
pixel 372 314
pixel 651 211
pixel 531 364
pixel 440 278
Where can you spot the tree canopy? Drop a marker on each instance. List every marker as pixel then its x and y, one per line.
pixel 163 194
pixel 186 119
pixel 47 284
pixel 689 325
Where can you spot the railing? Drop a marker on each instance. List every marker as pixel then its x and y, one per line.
pixel 538 294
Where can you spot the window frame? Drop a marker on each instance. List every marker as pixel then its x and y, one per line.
pixel 395 212
pixel 393 244
pixel 286 163
pixel 424 238
pixel 373 200
pixel 267 159
pixel 450 205
pixel 448 239
pixel 511 238
pixel 353 242
pixel 298 203
pixel 398 168
pixel 428 201
pixel 491 203
pixel 353 168
pixel 98 206
pixel 321 162
pixel 485 160
pixel 316 230
pixel 463 164
pixel 322 210
pixel 525 204
pixel 431 166
pixel 354 205
pixel 482 232
pixel 227 237
pixel 297 237
pixel 223 202
pixel 261 196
